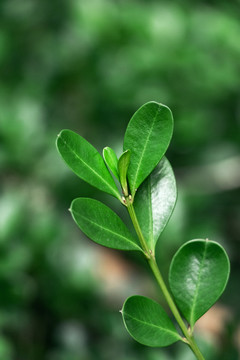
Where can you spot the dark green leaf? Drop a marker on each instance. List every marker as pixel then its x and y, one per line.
pixel 154 202
pixel 198 276
pixel 123 164
pixel 86 162
pixel 111 160
pixel 147 136
pixel 148 323
pixel 102 225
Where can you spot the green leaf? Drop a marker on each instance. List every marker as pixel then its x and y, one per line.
pixel 148 323
pixel 123 164
pixel 198 276
pixel 111 160
pixel 154 202
pixel 147 136
pixel 86 162
pixel 102 225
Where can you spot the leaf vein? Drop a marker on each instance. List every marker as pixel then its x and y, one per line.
pixel 152 325
pixel 106 229
pixel 198 284
pixel 144 147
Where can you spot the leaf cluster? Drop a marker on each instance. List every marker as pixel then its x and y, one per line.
pixel 199 270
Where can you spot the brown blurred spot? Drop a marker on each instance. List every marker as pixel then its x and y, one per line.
pixel 213 323
pixel 120 278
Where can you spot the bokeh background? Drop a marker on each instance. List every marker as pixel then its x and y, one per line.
pixel 88 66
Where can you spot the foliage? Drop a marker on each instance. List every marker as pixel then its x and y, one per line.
pixel 200 269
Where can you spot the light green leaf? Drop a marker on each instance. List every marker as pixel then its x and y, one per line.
pixel 198 276
pixel 147 136
pixel 111 160
pixel 148 323
pixel 102 225
pixel 154 202
pixel 123 164
pixel 86 162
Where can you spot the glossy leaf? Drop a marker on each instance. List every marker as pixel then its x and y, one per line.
pixel 111 160
pixel 155 200
pixel 148 323
pixel 147 136
pixel 123 164
pixel 102 225
pixel 86 162
pixel 198 276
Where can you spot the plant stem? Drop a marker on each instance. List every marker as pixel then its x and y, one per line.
pixel 189 339
pixel 137 226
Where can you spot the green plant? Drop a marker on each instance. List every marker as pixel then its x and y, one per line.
pixel 199 270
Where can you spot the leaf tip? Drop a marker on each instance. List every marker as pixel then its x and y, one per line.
pixel 60 133
pixel 105 149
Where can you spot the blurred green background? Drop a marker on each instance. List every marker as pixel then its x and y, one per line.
pixel 88 66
